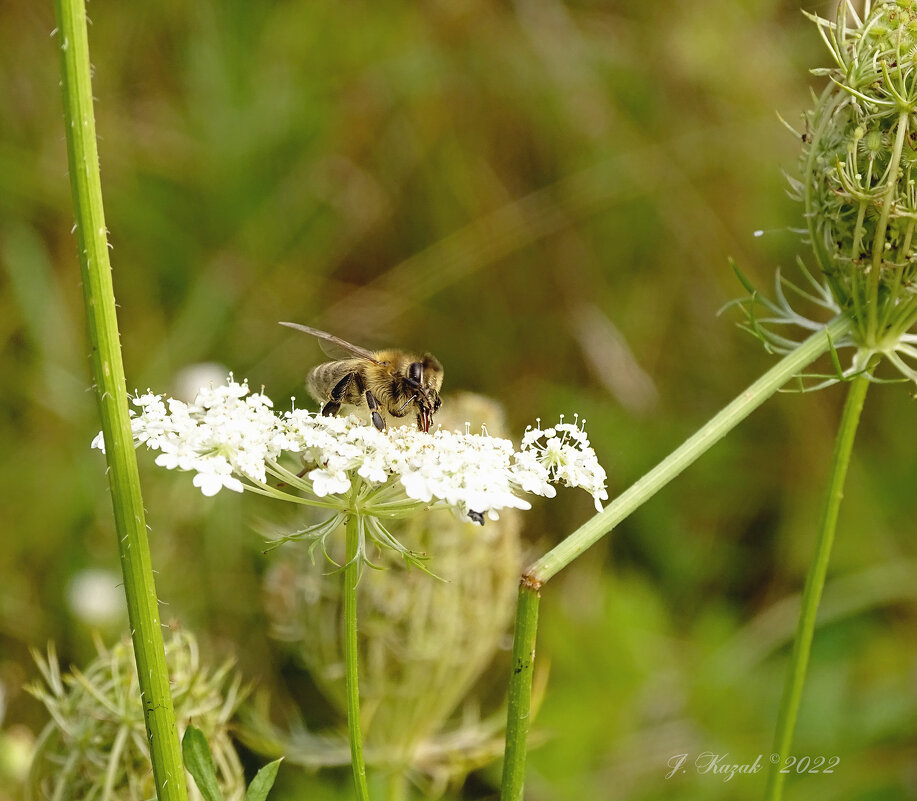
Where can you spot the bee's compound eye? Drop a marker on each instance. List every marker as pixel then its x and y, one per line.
pixel 415 372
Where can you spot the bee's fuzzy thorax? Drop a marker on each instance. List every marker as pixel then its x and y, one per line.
pixel 388 383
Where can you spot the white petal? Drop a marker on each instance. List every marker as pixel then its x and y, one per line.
pixel 208 483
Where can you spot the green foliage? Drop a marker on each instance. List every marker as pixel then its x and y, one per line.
pixel 199 763
pixel 263 782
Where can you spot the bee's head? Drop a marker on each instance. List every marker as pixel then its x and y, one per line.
pixel 426 376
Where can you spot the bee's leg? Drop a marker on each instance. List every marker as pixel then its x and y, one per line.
pixel 333 404
pixel 373 405
pixel 371 402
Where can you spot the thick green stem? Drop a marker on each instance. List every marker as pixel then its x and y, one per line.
pixel 629 500
pixel 520 691
pixel 108 376
pixel 815 582
pixel 685 455
pixel 351 676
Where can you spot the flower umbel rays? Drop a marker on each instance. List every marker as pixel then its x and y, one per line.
pixel 231 438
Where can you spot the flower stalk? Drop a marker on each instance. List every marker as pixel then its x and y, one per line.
pixel 599 525
pixel 520 691
pixel 686 454
pixel 352 569
pixel 815 582
pixel 108 377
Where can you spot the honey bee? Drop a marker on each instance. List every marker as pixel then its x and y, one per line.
pixel 389 381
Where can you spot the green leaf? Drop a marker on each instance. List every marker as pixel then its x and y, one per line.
pixel 199 763
pixel 263 782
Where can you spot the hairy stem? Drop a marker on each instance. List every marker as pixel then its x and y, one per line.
pixel 815 582
pixel 629 500
pixel 111 390
pixel 520 692
pixel 351 676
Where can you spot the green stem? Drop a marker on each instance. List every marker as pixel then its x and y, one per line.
pixel 599 525
pixel 108 377
pixel 685 455
pixel 520 692
pixel 815 582
pixel 351 677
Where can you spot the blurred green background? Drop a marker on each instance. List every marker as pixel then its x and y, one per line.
pixel 543 194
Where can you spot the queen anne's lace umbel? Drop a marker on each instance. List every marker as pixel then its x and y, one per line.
pixel 232 438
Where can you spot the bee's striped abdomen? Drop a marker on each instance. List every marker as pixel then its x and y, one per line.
pixel 325 378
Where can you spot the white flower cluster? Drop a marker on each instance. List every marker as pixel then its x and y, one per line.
pixel 232 438
pixel 564 451
pixel 472 473
pixel 226 433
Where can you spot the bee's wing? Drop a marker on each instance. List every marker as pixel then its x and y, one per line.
pixel 331 339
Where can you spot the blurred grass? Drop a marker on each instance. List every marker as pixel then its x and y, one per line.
pixel 477 179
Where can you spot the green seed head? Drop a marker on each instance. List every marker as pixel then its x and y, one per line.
pixel 859 167
pixel 96 743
